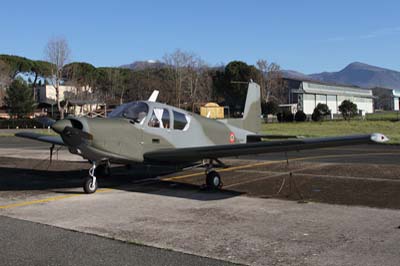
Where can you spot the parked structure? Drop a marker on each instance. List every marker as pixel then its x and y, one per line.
pixel 80 100
pixel 386 99
pixel 308 94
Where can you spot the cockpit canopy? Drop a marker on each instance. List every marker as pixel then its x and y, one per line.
pixel 136 111
pixel 159 117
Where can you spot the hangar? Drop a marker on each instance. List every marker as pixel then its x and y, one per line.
pixel 386 99
pixel 307 94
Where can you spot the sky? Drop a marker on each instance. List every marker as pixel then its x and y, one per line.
pixel 306 36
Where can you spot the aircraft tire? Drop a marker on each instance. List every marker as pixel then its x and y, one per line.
pixel 88 186
pixel 213 180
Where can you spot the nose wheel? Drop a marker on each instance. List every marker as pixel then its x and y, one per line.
pixel 90 184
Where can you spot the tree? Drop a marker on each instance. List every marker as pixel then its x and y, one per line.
pixel 113 83
pixel 83 76
pixel 5 79
pixel 19 99
pixel 231 83
pixel 270 81
pixel 348 109
pixel 270 107
pixel 39 69
pixel 300 116
pixel 16 65
pixel 57 53
pixel 176 63
pixel 320 112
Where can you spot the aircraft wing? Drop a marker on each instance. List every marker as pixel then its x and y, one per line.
pixel 182 155
pixel 258 137
pixel 57 140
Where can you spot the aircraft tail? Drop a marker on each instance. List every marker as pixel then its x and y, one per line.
pixel 251 120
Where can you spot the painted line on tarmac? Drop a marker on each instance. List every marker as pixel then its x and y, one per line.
pixel 45 200
pixel 279 161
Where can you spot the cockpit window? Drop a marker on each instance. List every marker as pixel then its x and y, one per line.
pixel 135 111
pixel 181 121
pixel 160 118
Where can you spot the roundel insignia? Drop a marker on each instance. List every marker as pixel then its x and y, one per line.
pixel 232 137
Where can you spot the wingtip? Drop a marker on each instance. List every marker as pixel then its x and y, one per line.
pixel 379 138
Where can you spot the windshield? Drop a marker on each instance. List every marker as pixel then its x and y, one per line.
pixel 135 111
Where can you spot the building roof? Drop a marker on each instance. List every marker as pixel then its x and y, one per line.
pixel 318 88
pixel 324 83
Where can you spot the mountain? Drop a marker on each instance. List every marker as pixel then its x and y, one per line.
pixel 361 75
pixel 140 65
pixel 291 74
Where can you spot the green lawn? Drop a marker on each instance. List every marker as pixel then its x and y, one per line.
pixel 384 116
pixel 335 128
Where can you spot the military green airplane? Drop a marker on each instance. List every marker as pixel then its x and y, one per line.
pixel 155 134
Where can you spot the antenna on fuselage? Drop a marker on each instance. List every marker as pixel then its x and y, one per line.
pixel 154 95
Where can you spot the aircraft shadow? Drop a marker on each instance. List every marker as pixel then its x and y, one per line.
pixel 132 180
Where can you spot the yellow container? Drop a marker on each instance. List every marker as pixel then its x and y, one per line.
pixel 212 110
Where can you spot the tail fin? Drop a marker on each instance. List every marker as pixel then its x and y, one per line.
pixel 251 120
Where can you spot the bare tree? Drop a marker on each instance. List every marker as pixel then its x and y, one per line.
pixel 178 62
pixel 57 53
pixel 192 80
pixel 262 66
pixel 271 82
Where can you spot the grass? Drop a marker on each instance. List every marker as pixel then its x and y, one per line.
pixel 11 132
pixel 335 128
pixel 384 116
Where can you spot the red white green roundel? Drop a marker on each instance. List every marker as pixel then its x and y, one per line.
pixel 232 137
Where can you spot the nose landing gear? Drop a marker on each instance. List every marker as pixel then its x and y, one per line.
pixel 103 170
pixel 90 184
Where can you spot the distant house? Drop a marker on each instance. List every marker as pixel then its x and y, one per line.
pixel 80 99
pixel 386 99
pixel 308 94
pixel 47 93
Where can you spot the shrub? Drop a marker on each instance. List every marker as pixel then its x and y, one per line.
pixel 348 109
pixel 320 112
pixel 300 116
pixel 285 116
pixel 270 107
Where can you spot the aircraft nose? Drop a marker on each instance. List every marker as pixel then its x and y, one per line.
pixel 60 125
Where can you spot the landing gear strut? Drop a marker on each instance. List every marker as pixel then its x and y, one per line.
pixel 90 184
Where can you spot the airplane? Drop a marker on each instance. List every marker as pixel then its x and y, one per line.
pixel 155 134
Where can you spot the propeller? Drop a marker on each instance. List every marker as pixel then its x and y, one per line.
pixel 74 137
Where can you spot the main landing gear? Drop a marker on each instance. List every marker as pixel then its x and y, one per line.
pixel 90 184
pixel 213 179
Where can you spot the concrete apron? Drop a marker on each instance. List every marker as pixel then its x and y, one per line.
pixel 238 229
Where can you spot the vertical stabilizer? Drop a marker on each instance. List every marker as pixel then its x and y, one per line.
pixel 252 109
pixel 251 120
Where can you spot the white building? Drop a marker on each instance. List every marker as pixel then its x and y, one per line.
pixel 47 93
pixel 308 94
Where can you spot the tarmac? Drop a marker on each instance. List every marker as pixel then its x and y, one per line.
pixel 336 206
